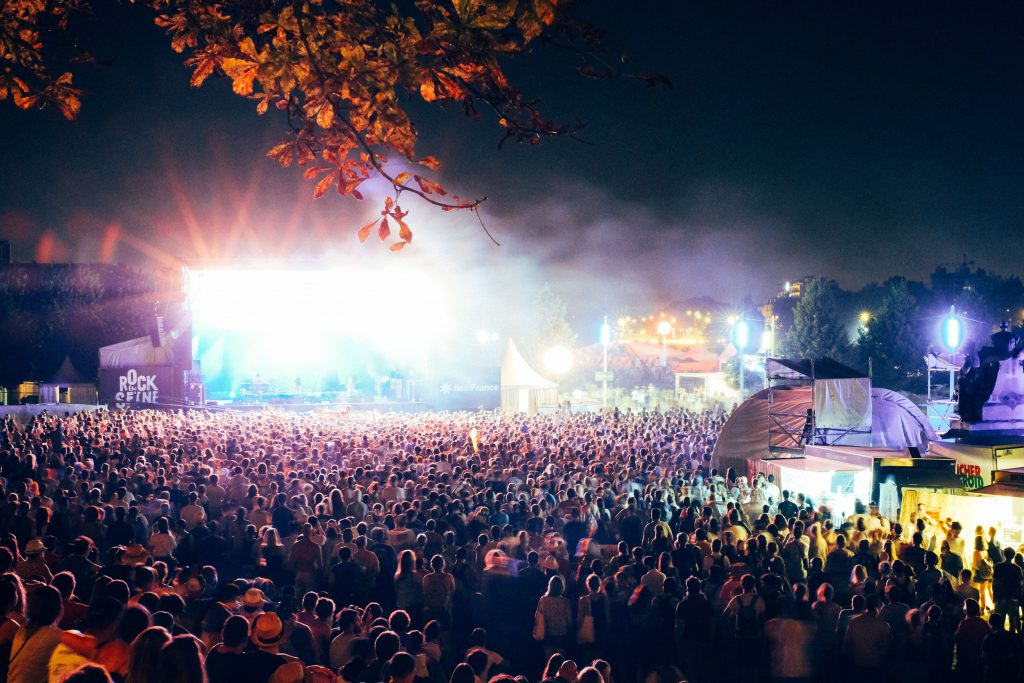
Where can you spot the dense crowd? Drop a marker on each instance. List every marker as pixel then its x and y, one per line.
pixel 274 547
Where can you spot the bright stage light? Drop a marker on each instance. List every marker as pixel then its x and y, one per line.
pixel 291 324
pixel 558 360
pixel 664 328
pixel 865 317
pixel 952 331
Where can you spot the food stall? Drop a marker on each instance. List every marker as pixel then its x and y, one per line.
pixel 999 505
pixel 979 457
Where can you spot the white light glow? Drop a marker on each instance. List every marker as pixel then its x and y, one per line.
pixel 558 360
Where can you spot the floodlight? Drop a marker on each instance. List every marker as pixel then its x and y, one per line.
pixel 952 331
pixel 664 328
pixel 741 334
pixel 558 360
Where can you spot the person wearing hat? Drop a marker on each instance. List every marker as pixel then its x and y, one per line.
pixel 33 566
pixel 134 555
pixel 267 634
pixel 252 604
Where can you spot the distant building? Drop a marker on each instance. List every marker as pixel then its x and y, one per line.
pixel 778 310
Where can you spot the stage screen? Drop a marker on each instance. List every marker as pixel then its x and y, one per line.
pixel 299 332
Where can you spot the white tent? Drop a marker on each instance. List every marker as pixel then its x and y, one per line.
pixel 67 386
pixel 135 352
pixel 523 389
pixel 776 418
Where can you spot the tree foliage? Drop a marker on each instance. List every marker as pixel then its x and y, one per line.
pixel 341 71
pixel 894 340
pixel 551 327
pixel 817 330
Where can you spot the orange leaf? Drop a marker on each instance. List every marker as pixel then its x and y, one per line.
pixel 385 230
pixel 427 90
pixel 404 233
pixel 430 162
pixel 325 117
pixel 402 177
pixel 364 231
pixel 323 186
pixel 314 171
pixel 282 153
pixel 242 73
pixel 398 246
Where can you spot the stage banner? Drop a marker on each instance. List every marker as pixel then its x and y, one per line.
pixel 471 389
pixel 842 403
pixel 136 387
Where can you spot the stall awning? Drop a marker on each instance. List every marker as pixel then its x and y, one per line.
pixel 1006 490
pixel 813 464
pixel 924 477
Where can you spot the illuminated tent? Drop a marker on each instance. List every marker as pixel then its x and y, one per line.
pixel 67 386
pixel 769 421
pixel 523 390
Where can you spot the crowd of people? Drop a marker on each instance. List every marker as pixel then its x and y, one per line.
pixel 276 547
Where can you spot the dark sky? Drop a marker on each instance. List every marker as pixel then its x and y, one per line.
pixel 858 140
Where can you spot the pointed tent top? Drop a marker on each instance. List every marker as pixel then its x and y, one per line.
pixel 516 372
pixel 67 374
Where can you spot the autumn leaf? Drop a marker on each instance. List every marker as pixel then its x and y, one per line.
pixel 385 230
pixel 282 153
pixel 314 171
pixel 325 117
pixel 430 162
pixel 398 246
pixel 242 72
pixel 364 231
pixel 323 186
pixel 204 67
pixel 404 233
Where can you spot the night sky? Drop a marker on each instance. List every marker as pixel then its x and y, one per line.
pixel 855 140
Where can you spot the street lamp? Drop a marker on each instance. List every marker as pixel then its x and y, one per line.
pixel 664 329
pixel 740 339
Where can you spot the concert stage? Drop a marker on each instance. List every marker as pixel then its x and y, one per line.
pixel 311 405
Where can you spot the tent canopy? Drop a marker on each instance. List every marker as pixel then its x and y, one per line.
pixel 516 372
pixel 134 352
pixel 808 368
pixel 756 424
pixel 67 374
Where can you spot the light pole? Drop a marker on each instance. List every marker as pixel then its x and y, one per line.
pixel 606 337
pixel 664 329
pixel 740 339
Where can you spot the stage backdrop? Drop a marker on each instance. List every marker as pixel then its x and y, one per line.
pixel 470 389
pixel 136 387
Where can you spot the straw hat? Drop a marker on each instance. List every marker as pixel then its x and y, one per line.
pixel 267 630
pixel 254 598
pixel 134 555
pixel 292 672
